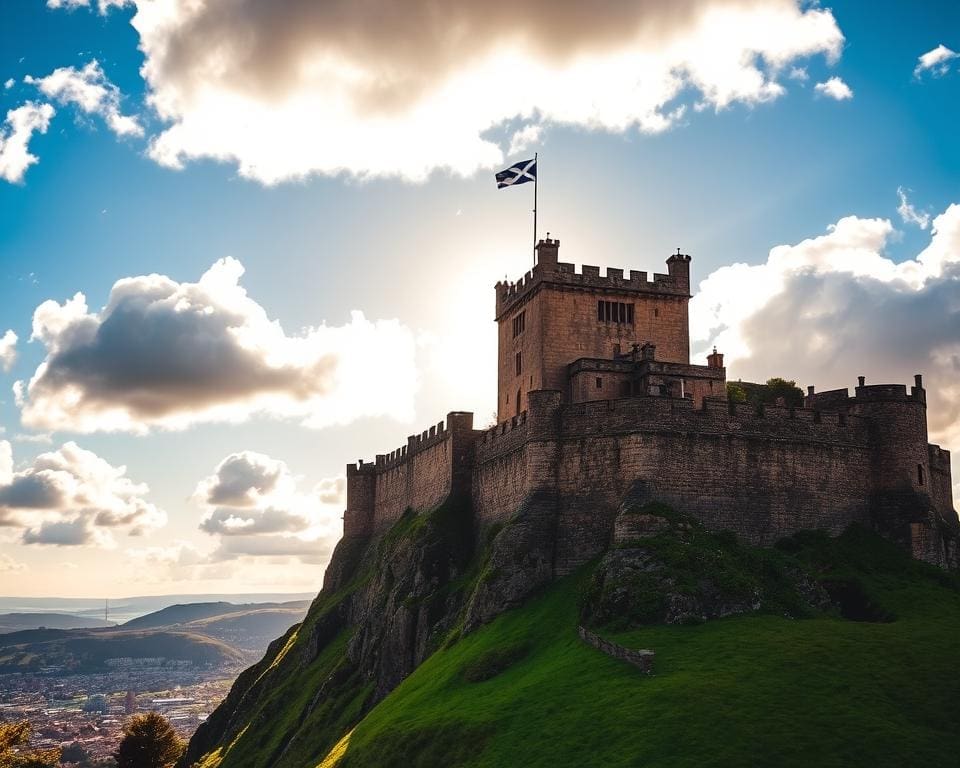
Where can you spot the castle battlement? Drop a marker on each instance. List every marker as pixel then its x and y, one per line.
pixel 598 402
pixel 564 275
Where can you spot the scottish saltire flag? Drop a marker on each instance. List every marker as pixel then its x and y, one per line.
pixel 519 173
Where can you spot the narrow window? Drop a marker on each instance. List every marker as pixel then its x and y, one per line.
pixel 656 313
pixel 919 474
pixel 599 383
pixel 519 324
pixel 518 402
pixel 519 364
pixel 630 314
pixel 599 311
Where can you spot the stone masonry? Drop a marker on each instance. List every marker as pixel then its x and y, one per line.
pixel 598 400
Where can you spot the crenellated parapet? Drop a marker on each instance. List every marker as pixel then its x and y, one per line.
pixel 560 274
pixel 432 465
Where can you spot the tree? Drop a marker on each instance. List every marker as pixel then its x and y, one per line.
pixel 776 387
pixel 736 393
pixel 14 752
pixel 149 741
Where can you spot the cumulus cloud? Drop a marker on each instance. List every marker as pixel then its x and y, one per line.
pixel 102 5
pixel 254 505
pixel 8 350
pixel 72 496
pixel 936 61
pixel 798 73
pixel 834 88
pixel 90 91
pixel 908 213
pixel 835 306
pixel 167 354
pixel 285 90
pixel 9 83
pixel 523 139
pixel 15 134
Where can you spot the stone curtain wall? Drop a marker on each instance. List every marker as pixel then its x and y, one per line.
pixel 643 659
pixel 500 479
pixel 419 475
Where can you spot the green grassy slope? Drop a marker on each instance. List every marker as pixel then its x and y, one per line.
pixel 750 690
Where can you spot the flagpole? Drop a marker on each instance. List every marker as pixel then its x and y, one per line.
pixel 535 179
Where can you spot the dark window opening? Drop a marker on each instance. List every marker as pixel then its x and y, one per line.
pixel 919 474
pixel 625 388
pixel 599 383
pixel 615 312
pixel 656 313
pixel 519 324
pixel 519 364
pixel 518 402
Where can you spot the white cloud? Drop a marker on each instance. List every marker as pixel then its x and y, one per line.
pixel 936 61
pixel 285 90
pixel 799 73
pixel 8 564
pixel 8 350
pixel 835 88
pixel 9 83
pixel 71 496
pixel 835 306
pixel 15 135
pixel 523 139
pixel 167 354
pixel 102 5
pixel 909 214
pixel 91 91
pixel 255 508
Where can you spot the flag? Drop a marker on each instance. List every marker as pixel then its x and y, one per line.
pixel 519 173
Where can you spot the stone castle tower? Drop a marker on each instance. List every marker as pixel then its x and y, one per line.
pixel 598 402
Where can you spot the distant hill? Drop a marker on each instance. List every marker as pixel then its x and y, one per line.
pixel 175 615
pixel 14 622
pixel 88 651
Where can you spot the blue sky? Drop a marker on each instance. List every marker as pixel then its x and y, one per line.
pixel 421 245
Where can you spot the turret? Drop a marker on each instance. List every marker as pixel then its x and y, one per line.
pixel 548 254
pixel 678 266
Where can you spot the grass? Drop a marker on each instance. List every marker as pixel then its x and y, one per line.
pixel 751 690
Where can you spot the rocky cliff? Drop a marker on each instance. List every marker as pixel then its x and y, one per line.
pixel 391 601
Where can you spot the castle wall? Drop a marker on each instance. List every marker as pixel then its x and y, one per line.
pixel 419 475
pixel 500 479
pixel 941 487
pixel 420 482
pixel 763 475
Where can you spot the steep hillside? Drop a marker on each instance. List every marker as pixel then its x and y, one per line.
pixel 427 648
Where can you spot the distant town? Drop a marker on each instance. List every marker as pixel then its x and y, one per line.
pixel 58 671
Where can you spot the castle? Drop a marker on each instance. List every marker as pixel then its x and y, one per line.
pixel 597 400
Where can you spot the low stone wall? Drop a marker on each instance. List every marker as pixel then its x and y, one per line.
pixel 642 659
